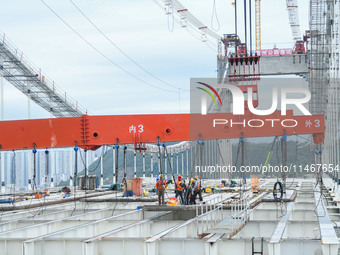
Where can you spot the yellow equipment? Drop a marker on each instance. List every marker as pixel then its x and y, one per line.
pixel 173 202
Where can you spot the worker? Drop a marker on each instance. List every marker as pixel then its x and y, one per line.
pixel 157 179
pixel 124 187
pixel 196 187
pixel 188 192
pixel 179 186
pixel 193 187
pixel 160 186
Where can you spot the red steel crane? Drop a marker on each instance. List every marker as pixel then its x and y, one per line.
pixel 91 132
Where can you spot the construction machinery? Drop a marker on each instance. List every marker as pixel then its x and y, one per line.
pixel 299 47
pixel 242 50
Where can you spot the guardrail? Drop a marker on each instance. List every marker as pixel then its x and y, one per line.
pixel 239 213
pixel 19 55
pixel 204 216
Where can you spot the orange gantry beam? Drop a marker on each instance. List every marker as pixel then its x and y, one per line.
pixel 91 132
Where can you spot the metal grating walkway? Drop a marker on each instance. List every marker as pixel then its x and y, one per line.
pixel 27 78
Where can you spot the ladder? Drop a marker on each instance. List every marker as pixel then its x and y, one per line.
pixel 252 247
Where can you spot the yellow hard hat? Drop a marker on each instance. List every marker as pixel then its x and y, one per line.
pixel 160 176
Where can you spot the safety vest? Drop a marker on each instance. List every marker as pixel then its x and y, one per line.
pixel 179 186
pixel 198 188
pixel 159 184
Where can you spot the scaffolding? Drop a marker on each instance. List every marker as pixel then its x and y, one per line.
pixel 258 24
pixel 324 73
pixel 319 51
pixel 331 150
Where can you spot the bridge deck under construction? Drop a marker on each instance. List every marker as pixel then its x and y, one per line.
pixel 101 222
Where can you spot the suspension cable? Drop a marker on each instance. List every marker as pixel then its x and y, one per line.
pixel 214 14
pixel 118 48
pixel 102 54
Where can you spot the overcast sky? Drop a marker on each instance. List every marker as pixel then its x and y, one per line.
pixel 140 29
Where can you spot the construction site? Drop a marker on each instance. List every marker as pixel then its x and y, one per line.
pixel 249 166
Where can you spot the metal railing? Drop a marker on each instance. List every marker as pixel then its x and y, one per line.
pixel 208 214
pixel 239 213
pixel 42 77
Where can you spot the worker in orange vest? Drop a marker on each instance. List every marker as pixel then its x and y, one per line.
pixel 160 186
pixel 179 186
